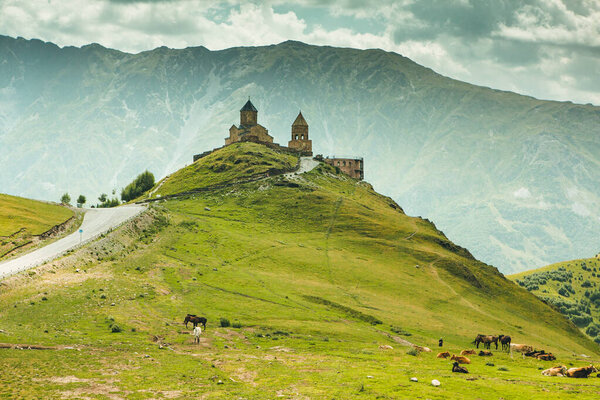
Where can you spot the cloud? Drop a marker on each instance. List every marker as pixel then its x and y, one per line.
pixel 522 193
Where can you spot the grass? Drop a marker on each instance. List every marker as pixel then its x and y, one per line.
pixel 572 287
pixel 304 272
pixel 36 217
pixel 232 163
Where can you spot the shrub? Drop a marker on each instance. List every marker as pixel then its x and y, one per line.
pixel 114 328
pixel 413 352
pixel 224 322
pixel 65 199
pixel 502 369
pixel 593 330
pixel 597 339
pixel 143 182
pixel 236 325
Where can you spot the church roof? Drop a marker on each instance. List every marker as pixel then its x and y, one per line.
pixel 300 120
pixel 249 107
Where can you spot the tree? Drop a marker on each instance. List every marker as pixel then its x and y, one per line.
pixel 143 182
pixel 65 199
pixel 81 201
pixel 103 198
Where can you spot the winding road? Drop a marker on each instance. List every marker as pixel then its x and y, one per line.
pixel 96 221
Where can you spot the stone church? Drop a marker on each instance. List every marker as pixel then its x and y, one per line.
pixel 249 130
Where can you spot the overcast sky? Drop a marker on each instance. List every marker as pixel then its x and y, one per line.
pixel 549 49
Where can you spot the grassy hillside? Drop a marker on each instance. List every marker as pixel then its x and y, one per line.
pixel 313 273
pixel 239 161
pixel 573 287
pixel 510 177
pixel 36 217
pixel 21 220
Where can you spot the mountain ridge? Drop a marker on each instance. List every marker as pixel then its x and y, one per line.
pixel 508 176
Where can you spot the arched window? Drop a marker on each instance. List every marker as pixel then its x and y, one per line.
pixel 344 163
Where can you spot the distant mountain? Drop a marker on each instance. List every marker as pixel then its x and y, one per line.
pixel 514 179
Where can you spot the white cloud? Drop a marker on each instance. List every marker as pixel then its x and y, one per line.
pixel 522 193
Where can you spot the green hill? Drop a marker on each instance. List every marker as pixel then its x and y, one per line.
pixel 510 177
pixel 573 287
pixel 313 274
pixel 21 219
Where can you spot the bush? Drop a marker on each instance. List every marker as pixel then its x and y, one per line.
pixel 224 322
pixel 65 199
pixel 502 369
pixel 597 339
pixel 114 328
pixel 236 325
pixel 143 182
pixel 593 330
pixel 413 352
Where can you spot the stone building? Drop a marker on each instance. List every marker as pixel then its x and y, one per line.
pixel 353 167
pixel 249 129
pixel 300 139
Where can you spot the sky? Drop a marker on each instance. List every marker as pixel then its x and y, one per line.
pixel 549 49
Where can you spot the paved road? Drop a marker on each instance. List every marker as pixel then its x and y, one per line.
pixel 95 222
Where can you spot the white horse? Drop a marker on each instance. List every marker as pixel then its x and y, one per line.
pixel 197 332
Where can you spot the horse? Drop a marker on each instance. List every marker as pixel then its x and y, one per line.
pixel 194 319
pixel 487 340
pixel 505 342
pixel 197 332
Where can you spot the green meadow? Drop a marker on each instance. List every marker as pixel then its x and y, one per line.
pixel 36 217
pixel 324 285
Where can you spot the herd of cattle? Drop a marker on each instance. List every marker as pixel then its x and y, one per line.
pixel 486 340
pixel 525 350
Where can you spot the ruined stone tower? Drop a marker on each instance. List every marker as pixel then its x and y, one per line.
pixel 300 139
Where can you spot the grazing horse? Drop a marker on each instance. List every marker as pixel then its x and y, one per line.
pixel 505 342
pixel 197 332
pixel 487 340
pixel 194 319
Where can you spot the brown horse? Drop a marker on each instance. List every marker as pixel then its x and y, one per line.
pixel 194 319
pixel 487 340
pixel 505 342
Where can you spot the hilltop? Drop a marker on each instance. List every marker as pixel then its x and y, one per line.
pixel 23 222
pixel 573 287
pixel 314 285
pixel 514 179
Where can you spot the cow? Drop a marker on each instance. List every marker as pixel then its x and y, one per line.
pixel 546 357
pixel 445 354
pixel 422 348
pixel 460 359
pixel 581 372
pixel 458 368
pixel 559 370
pixel 467 352
pixel 485 353
pixel 521 348
pixel 505 342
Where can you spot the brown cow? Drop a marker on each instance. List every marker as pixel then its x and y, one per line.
pixel 458 368
pixel 521 348
pixel 467 352
pixel 445 354
pixel 581 372
pixel 485 353
pixel 559 370
pixel 546 357
pixel 422 348
pixel 460 359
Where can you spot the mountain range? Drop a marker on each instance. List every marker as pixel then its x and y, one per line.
pixel 514 179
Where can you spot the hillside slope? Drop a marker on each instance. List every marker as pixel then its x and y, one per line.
pixel 23 219
pixel 314 273
pixel 514 179
pixel 573 287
